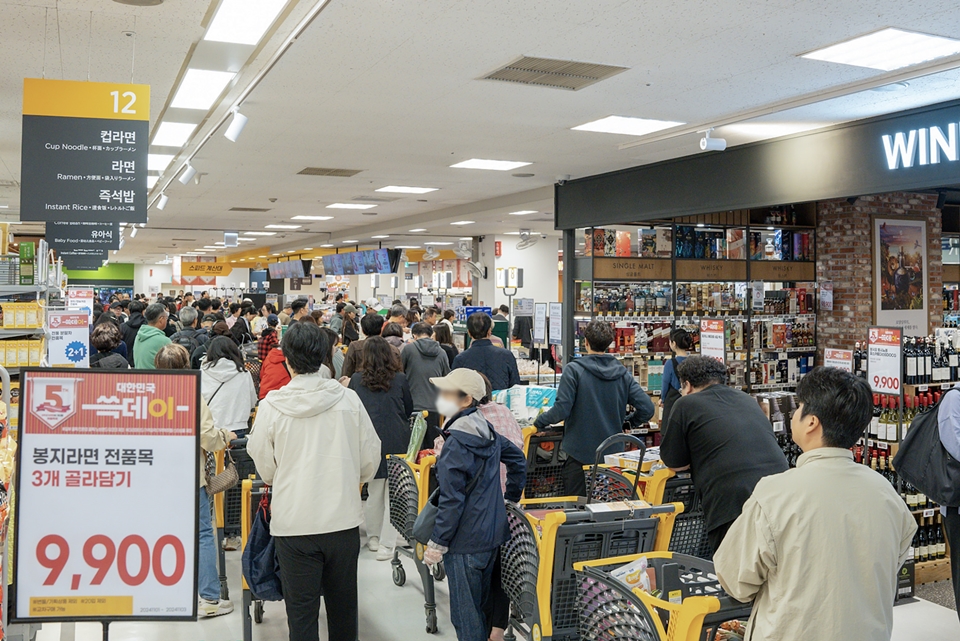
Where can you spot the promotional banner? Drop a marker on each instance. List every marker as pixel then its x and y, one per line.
pixel 107 487
pixel 712 343
pixel 205 269
pixel 884 347
pixel 80 299
pixel 84 151
pixel 68 344
pixel 839 358
pixel 556 323
pixel 900 275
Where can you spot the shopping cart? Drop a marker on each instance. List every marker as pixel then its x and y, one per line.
pixel 538 559
pixel 544 465
pixel 251 491
pixel 408 485
pixel 689 532
pixel 695 609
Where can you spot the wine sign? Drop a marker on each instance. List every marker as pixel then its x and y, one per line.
pixel 884 349
pixel 839 358
pixel 712 339
pixel 106 516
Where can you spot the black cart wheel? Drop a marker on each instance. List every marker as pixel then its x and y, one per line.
pixel 438 572
pixel 258 611
pixel 431 621
pixel 399 575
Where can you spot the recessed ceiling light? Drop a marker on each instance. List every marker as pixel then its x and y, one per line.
pixel 408 246
pixel 350 206
pixel 395 189
pixel 196 251
pixel 887 49
pixel 492 165
pixel 466 238
pixel 264 256
pixel 462 222
pixel 627 125
pixel 312 218
pixel 158 162
pixel 172 134
pixel 380 236
pixel 247 240
pixel 275 226
pixel 292 251
pixel 274 254
pixel 214 247
pixel 327 245
pixel 349 242
pixel 259 233
pixel 308 249
pixel 417 229
pixel 151 181
pixel 522 212
pixel 200 88
pixel 441 243
pixel 511 233
pixel 243 22
pixel 893 86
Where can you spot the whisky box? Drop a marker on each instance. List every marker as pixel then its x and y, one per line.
pixel 623 244
pixel 664 243
pixel 609 242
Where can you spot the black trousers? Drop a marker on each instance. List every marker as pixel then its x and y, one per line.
pixel 951 525
pixel 717 534
pixel 574 480
pixel 315 565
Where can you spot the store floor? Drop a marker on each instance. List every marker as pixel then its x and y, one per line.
pixel 389 613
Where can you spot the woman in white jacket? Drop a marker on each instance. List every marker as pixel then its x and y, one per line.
pixel 227 386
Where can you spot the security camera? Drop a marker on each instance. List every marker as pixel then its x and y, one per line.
pixel 273 200
pixel 711 144
pixel 543 236
pixel 562 178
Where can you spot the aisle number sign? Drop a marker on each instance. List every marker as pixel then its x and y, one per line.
pixel 884 347
pixel 68 342
pixel 84 151
pixel 106 516
pixel 838 358
pixel 712 339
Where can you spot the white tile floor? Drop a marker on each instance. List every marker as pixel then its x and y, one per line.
pixel 389 613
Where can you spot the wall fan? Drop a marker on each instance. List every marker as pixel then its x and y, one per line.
pixel 527 239
pixel 464 252
pixel 431 253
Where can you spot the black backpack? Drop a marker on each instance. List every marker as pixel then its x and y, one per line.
pixel 188 340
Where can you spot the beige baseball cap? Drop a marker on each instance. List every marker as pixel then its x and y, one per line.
pixel 463 380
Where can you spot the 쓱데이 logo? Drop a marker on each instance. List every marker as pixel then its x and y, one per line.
pixel 53 400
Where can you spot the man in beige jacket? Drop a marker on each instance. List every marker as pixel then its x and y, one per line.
pixel 818 548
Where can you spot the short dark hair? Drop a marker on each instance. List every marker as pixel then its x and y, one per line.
pixel 599 335
pixel 398 310
pixel 105 337
pixel 223 347
pixel 216 304
pixel 371 324
pixel 682 338
pixel 305 348
pixel 449 314
pixel 204 305
pixel 701 371
pixel 340 306
pixel 504 309
pixel 843 403
pixel 421 329
pixel 234 308
pixel 154 311
pixel 392 329
pixel 430 311
pixel 271 308
pixel 479 324
pixel 298 304
pixel 136 306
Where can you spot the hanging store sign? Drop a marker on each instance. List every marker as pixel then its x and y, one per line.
pixel 884 349
pixel 712 270
pixel 205 269
pixel 84 151
pixel 632 269
pixel 92 446
pixel 712 339
pixel 777 271
pixel 68 343
pixel 83 259
pixel 71 234
pixel 838 358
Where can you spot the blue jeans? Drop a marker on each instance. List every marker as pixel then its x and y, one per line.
pixel 468 576
pixel 208 580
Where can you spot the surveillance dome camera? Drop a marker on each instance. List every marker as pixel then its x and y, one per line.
pixel 273 200
pixel 562 178
pixel 543 235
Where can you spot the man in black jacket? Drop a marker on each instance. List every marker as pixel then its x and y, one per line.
pixel 496 363
pixel 128 331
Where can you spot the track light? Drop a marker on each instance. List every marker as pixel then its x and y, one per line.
pixel 711 144
pixel 164 199
pixel 133 232
pixel 941 199
pixel 188 173
pixel 236 126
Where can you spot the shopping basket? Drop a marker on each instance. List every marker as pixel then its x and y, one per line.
pixel 695 608
pixel 251 491
pixel 537 560
pixel 409 488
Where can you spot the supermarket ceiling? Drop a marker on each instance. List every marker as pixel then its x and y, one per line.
pixel 394 89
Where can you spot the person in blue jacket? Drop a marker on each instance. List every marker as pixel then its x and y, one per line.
pixel 471 517
pixel 496 363
pixel 592 401
pixel 681 342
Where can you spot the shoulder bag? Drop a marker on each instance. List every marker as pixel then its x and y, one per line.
pixel 229 477
pixel 925 463
pixel 427 519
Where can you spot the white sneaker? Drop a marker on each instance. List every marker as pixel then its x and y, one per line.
pixel 209 609
pixel 384 553
pixel 231 543
pixel 373 543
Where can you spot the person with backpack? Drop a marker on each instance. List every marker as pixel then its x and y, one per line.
pixel 227 386
pixel 190 337
pixel 269 337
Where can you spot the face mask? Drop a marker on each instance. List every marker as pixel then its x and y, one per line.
pixel 447 407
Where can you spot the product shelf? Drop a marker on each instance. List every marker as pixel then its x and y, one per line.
pixel 14 333
pixel 932 571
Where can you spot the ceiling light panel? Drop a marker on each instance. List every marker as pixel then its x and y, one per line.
pixel 200 88
pixel 627 126
pixel 259 233
pixel 462 222
pixel 173 134
pixel 350 206
pixel 491 165
pixel 151 181
pixel 243 22
pixel 522 212
pixel 350 241
pixel 380 236
pixel 396 189
pixel 417 229
pixel 158 162
pixel 887 49
pixel 408 247
pixel 312 218
pixel 282 226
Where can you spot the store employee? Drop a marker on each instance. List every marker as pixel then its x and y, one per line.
pixel 723 437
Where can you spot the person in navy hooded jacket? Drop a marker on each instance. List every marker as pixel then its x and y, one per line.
pixel 472 519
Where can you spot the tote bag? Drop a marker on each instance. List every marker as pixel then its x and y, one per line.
pixel 925 463
pixel 260 566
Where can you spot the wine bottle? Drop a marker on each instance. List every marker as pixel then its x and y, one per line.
pixel 941 541
pixel 928 359
pixel 910 355
pixel 922 547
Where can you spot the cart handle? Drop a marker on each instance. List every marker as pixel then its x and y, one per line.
pixel 239 442
pixel 610 441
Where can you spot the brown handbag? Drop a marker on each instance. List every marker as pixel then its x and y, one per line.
pixel 226 479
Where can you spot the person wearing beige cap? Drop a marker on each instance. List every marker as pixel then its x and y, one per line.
pixel 471 518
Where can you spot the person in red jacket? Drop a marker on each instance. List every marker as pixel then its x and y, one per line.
pixel 273 372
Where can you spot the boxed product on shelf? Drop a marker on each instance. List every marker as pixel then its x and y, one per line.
pixel 609 242
pixel 623 244
pixel 599 237
pixel 526 401
pixel 736 244
pixel 588 242
pixel 647 243
pixel 629 460
pixel 664 242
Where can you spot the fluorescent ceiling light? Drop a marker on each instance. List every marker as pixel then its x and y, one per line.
pixel 213 247
pixel 158 162
pixel 282 226
pixel 380 236
pixel 274 254
pixel 172 134
pixel 243 22
pixel 249 240
pixel 418 229
pixel 312 218
pixel 292 251
pixel 193 254
pixel 492 165
pixel 462 222
pixel 522 212
pixel 351 241
pixel 259 233
pixel 151 181
pixel 466 238
pixel 327 245
pixel 408 247
pixel 626 125
pixel 396 189
pixel 511 233
pixel 4 206
pixel 887 49
pixel 439 243
pixel 200 88
pixel 308 249
pixel 350 206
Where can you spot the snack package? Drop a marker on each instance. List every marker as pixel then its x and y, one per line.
pixel 637 574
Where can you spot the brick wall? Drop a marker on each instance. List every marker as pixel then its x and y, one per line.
pixel 845 255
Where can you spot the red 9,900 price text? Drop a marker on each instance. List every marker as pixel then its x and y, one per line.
pixel 887 383
pixel 133 556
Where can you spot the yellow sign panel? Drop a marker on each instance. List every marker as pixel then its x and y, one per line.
pixel 205 269
pixel 81 606
pixel 74 99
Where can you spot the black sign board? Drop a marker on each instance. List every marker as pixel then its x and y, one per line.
pixel 64 235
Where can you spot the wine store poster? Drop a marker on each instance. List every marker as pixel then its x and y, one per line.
pixel 900 287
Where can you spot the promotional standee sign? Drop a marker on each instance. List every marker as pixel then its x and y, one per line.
pixel 68 343
pixel 838 358
pixel 107 510
pixel 884 345
pixel 712 343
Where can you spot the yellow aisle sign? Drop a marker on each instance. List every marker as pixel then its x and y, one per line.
pixel 74 99
pixel 205 269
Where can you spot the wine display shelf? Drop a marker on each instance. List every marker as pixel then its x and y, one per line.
pixel 932 571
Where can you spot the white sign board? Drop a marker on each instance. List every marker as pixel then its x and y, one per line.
pixel 756 295
pixel 80 299
pixel 522 307
pixel 106 516
pixel 540 323
pixel 556 323
pixel 838 358
pixel 712 343
pixel 68 344
pixel 884 347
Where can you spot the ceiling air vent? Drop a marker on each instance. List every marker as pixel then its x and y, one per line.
pixel 327 171
pixel 547 72
pixel 375 199
pixel 253 209
pixel 184 240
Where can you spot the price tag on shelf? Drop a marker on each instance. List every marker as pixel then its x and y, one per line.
pixel 106 516
pixel 712 339
pixel 884 348
pixel 838 358
pixel 928 513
